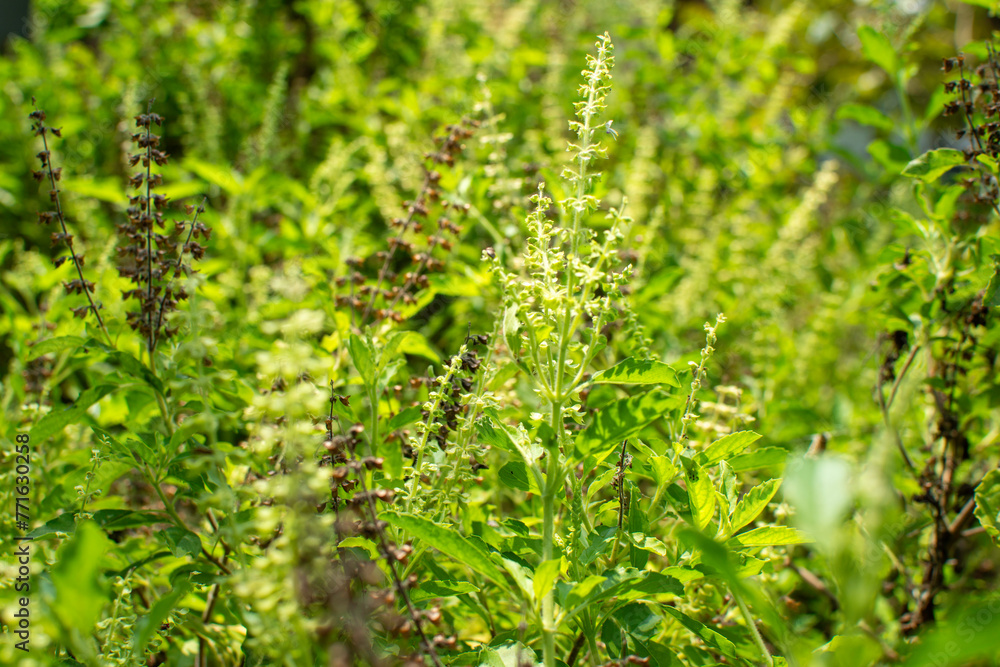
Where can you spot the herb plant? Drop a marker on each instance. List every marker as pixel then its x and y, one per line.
pixel 335 344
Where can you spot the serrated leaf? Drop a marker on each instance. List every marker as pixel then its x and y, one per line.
pixel 753 503
pixel 448 542
pixel 701 493
pixel 624 418
pixel 599 543
pixel 52 345
pixel 495 435
pixel 727 446
pixel 767 536
pixel 649 543
pixel 636 371
pixel 932 165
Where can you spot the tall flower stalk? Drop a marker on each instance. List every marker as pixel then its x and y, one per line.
pixel 81 285
pixel 557 305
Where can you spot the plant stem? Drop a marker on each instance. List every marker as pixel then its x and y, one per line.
pixel 160 402
pixel 69 239
pixel 552 484
pixel 748 617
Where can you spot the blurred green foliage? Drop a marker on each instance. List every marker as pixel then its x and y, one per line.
pixel 761 147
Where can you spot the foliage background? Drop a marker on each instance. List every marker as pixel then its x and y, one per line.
pixel 759 146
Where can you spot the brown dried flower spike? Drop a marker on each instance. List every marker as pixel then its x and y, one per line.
pixel 152 260
pixel 52 174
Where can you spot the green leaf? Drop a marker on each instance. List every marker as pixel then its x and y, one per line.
pixel 52 345
pixel 359 542
pixel 515 474
pixel 638 524
pixel 56 421
pixel 403 418
pixel 625 584
pixel 768 536
pixel 64 523
pixel 135 368
pixel 753 503
pixel 106 189
pixel 932 165
pixel 507 654
pixel 427 590
pixel 878 49
pixel 624 418
pixel 116 447
pixel 648 543
pixel 448 542
pixel 388 352
pixel 599 543
pixel 990 298
pixel 762 458
pixel 856 648
pixel 658 654
pixel 362 358
pixel 148 624
pixel 76 576
pixel 866 115
pixel 416 345
pixel 520 572
pixel 111 520
pixel 725 447
pixel 635 371
pixel 510 330
pixel 701 493
pixel 988 504
pixel 990 162
pixel 705 633
pixel 495 436
pixel 545 577
pixel 225 177
pixel 182 542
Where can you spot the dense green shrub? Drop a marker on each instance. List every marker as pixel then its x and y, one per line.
pixel 326 340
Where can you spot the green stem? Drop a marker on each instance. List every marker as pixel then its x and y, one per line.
pixel 748 617
pixel 160 402
pixel 552 483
